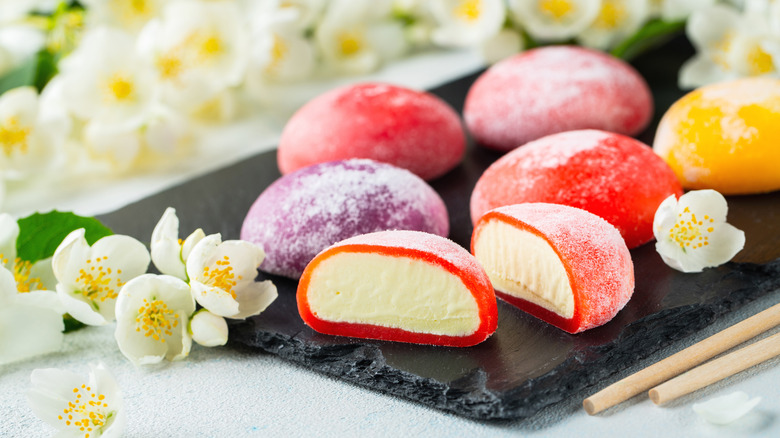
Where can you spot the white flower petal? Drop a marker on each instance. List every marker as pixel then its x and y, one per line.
pixel 726 409
pixel 79 309
pixel 42 270
pixel 28 330
pixel 9 231
pixel 554 20
pixel 672 10
pixel 214 299
pixel 69 257
pixel 57 392
pixel 166 251
pixel 152 313
pixel 711 26
pixel 208 329
pixel 190 242
pixel 254 298
pixel 467 23
pixel 42 298
pixel 692 234
pixel 701 70
pixel 503 45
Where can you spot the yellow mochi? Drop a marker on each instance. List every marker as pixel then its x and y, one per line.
pixel 725 136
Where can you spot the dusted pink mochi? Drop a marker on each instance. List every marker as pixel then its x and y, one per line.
pixel 595 258
pixel 304 212
pixel 410 129
pixel 554 89
pixel 610 175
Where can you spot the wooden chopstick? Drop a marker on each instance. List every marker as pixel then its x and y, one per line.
pixel 716 370
pixel 682 361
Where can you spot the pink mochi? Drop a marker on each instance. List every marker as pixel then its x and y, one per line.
pixel 555 89
pixel 305 212
pixel 410 129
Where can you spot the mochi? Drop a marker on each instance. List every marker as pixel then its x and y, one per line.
pixel 404 286
pixel 304 212
pixel 411 129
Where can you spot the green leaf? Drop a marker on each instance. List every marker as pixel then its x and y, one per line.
pixel 41 233
pixel 71 323
pixel 654 33
pixel 46 68
pixel 23 74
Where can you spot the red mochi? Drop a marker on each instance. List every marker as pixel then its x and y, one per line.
pixel 597 274
pixel 610 175
pixel 555 89
pixel 412 288
pixel 410 129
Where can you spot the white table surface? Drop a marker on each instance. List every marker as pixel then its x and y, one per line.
pixel 222 392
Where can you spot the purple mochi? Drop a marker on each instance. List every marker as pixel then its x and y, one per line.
pixel 306 211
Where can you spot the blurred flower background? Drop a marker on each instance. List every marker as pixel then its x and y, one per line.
pixel 107 89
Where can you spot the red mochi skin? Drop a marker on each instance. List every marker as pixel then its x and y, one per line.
pixel 407 128
pixel 610 175
pixel 596 260
pixel 555 89
pixel 430 248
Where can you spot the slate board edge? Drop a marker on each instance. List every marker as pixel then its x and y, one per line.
pixel 363 364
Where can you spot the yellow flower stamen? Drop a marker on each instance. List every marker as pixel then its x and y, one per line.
pixel 119 88
pixel 154 318
pixel 350 43
pixel 759 62
pixel 84 413
pixel 209 47
pixel 611 15
pixel 221 276
pixel 468 10
pixel 278 52
pixel 97 283
pixel 556 9
pixel 170 65
pixel 13 136
pixel 690 233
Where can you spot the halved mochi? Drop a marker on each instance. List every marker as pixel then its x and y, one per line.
pixel 561 264
pixel 405 286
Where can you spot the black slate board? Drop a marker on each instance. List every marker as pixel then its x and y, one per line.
pixel 527 365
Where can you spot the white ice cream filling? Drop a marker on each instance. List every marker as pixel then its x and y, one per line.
pixel 392 291
pixel 524 265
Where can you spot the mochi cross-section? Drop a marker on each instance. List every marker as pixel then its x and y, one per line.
pixel 561 264
pixel 404 286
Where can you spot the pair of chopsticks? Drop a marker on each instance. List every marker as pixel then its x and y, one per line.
pixel 655 375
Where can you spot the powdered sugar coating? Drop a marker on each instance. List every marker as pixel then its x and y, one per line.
pixel 303 213
pixel 613 176
pixel 594 254
pixel 554 89
pixel 410 129
pixel 429 247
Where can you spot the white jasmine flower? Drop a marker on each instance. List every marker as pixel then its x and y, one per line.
pixel 129 15
pixel 169 253
pixel 729 45
pixel 280 51
pixel 197 49
pixel 300 14
pixel 555 20
pixel 466 23
pixel 208 329
pixel 76 406
pixel 29 143
pixel 13 10
pixel 616 20
pixel 104 80
pixel 673 10
pixel 356 36
pixel 692 233
pixel 726 409
pixel 30 323
pixel 89 278
pixel 502 45
pixel 222 277
pixel 20 42
pixel 152 312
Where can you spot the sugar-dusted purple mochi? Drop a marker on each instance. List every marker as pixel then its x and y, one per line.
pixel 306 211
